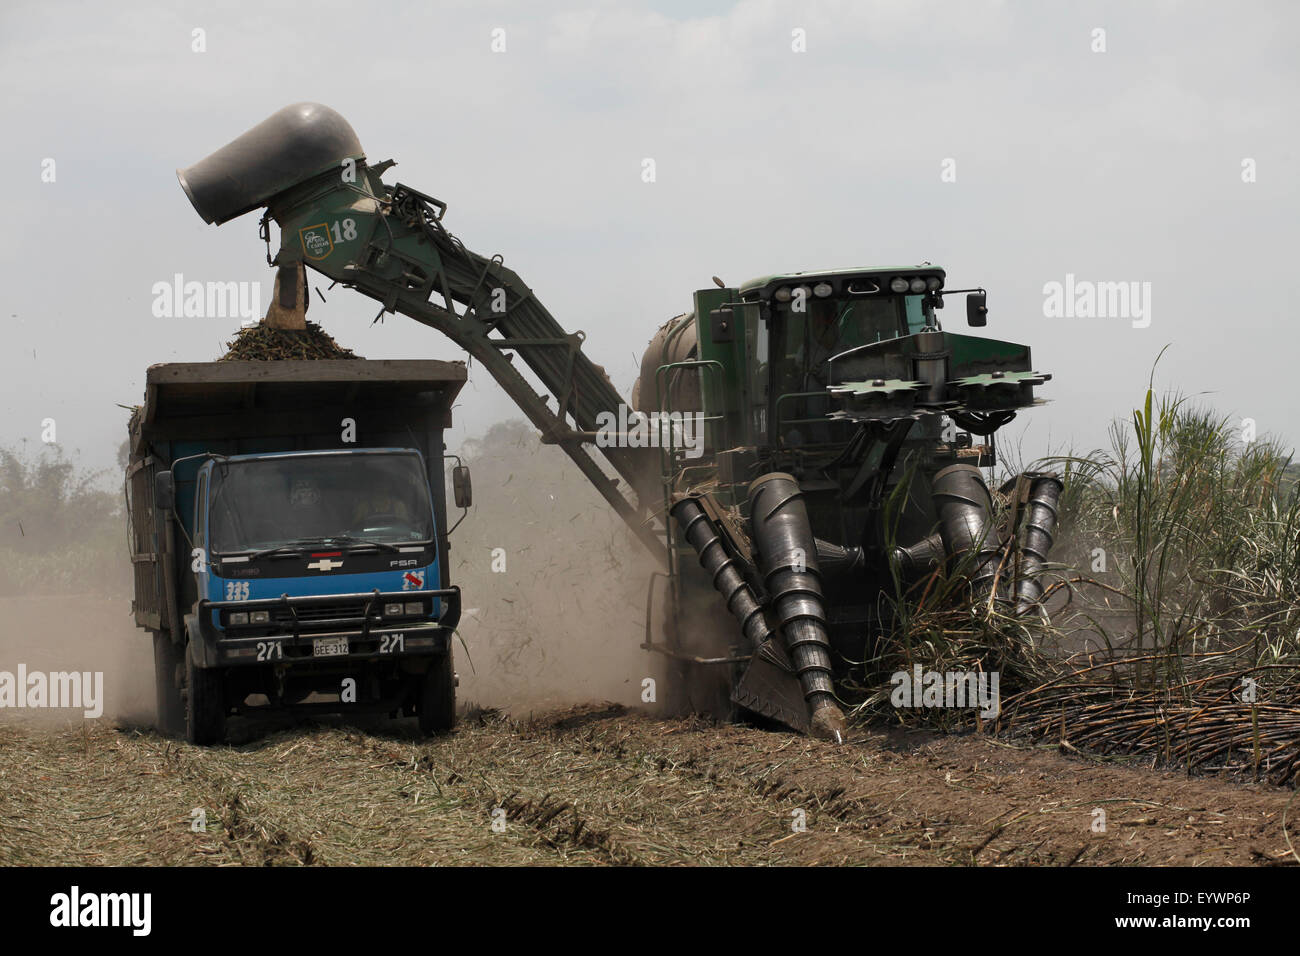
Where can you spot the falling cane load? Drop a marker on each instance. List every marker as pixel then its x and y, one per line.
pixel 285 333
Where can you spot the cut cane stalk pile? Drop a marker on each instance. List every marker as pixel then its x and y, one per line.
pixel 262 343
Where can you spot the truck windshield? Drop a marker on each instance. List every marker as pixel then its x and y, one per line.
pixel 264 503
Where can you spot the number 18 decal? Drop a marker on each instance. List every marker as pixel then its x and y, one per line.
pixel 347 232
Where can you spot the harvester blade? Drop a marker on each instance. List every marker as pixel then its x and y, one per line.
pixel 770 687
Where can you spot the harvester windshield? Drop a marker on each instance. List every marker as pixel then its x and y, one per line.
pixel 824 328
pixel 261 503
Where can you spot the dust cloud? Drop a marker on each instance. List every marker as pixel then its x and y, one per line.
pixel 554 584
pixel 554 589
pixel 71 632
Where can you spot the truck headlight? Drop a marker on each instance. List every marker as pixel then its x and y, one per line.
pixel 259 617
pixel 237 618
pixel 415 607
pixel 392 610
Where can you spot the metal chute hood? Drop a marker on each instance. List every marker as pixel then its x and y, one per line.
pixel 285 150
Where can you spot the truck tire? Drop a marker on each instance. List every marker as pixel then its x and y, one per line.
pixel 437 705
pixel 166 676
pixel 205 708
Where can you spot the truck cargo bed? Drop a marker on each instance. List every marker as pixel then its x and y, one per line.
pixel 248 407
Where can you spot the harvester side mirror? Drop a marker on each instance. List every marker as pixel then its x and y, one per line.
pixel 164 491
pixel 977 310
pixel 461 488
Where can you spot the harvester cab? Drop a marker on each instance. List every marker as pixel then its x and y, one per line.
pixel 821 397
pixel 842 422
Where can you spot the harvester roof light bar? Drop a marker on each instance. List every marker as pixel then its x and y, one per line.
pixel 933 283
pixel 782 294
pixel 822 290
pixel 918 284
pixel 898 284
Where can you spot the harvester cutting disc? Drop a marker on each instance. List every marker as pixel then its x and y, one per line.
pixel 999 390
pixel 878 399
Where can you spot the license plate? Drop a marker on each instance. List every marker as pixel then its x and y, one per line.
pixel 329 646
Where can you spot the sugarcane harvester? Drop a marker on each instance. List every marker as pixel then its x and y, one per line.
pixel 836 415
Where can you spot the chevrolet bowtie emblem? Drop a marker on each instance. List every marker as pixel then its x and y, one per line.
pixel 324 564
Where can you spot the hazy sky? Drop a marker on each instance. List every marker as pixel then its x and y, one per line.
pixel 1117 166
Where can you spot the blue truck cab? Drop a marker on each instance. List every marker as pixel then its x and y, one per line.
pixel 289 539
pixel 317 553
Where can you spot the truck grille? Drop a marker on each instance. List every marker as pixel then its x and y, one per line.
pixel 316 614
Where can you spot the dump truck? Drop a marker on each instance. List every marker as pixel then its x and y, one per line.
pixel 834 421
pixel 288 534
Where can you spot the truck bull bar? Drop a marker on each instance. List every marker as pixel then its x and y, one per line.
pixel 449 619
pixel 223 647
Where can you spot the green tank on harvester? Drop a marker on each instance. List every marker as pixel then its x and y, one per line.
pixel 838 419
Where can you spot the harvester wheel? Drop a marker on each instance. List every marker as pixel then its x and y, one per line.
pixel 166 676
pixel 437 706
pixel 205 711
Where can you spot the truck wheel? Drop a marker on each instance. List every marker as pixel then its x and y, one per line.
pixel 437 709
pixel 166 677
pixel 205 709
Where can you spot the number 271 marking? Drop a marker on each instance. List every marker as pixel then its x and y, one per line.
pixel 391 643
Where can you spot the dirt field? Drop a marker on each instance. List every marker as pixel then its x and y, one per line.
pixel 588 784
pixel 603 785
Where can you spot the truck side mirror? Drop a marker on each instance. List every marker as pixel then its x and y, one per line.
pixel 461 488
pixel 977 310
pixel 164 491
